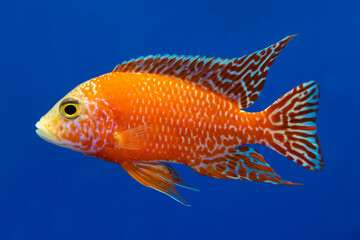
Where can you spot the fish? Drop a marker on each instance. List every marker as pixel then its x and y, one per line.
pixel 151 112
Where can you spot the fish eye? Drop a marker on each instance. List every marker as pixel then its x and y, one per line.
pixel 70 108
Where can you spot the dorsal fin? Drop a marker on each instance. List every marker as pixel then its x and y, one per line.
pixel 238 79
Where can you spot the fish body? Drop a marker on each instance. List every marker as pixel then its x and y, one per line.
pixel 181 109
pixel 185 122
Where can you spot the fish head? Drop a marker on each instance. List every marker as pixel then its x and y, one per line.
pixel 79 121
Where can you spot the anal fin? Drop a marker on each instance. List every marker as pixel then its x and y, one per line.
pixel 157 176
pixel 240 163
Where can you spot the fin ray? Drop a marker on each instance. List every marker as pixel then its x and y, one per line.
pixel 238 79
pixel 133 138
pixel 292 129
pixel 177 180
pixel 240 163
pixel 154 175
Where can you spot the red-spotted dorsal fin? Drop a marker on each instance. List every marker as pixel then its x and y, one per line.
pixel 238 79
pixel 240 163
pixel 156 176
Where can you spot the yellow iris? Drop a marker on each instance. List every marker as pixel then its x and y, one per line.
pixel 70 108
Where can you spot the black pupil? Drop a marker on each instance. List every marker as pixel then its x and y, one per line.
pixel 70 109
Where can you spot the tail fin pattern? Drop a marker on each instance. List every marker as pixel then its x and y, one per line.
pixel 291 129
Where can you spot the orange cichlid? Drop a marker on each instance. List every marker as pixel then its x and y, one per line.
pixel 158 109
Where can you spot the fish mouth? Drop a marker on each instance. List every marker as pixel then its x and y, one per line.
pixel 45 134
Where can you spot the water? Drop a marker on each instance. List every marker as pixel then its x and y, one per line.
pixel 48 47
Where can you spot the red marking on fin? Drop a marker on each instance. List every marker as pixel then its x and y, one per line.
pixel 292 128
pixel 240 163
pixel 238 79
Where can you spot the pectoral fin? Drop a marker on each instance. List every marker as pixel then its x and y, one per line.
pixel 132 138
pixel 156 176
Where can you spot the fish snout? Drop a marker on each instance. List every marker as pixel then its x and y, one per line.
pixel 43 132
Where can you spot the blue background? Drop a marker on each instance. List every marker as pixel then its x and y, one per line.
pixel 49 47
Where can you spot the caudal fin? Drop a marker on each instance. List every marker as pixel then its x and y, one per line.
pixel 291 126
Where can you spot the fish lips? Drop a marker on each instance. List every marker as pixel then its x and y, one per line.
pixel 45 134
